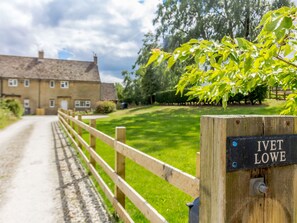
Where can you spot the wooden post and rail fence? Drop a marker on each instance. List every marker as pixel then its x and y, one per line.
pixel 248 169
pixel 278 93
pixel 73 127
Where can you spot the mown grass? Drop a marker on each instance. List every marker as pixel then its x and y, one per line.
pixel 171 134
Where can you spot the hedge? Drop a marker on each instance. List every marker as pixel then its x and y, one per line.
pixel 170 97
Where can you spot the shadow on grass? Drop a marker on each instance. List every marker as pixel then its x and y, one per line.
pixel 172 133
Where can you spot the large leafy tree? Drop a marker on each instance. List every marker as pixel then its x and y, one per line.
pixel 217 70
pixel 178 21
pixel 145 81
pixel 149 78
pixel 131 92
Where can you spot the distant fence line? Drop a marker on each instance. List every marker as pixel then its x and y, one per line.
pixel 278 93
pixel 181 180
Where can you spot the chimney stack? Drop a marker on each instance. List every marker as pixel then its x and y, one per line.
pixel 95 59
pixel 40 54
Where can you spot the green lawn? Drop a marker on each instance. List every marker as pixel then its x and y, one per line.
pixel 171 134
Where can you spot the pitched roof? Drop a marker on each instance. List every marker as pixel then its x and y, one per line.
pixel 108 92
pixel 51 69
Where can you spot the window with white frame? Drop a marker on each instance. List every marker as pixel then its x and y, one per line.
pixel 82 103
pixel 12 82
pixel 26 83
pixel 26 103
pixel 52 84
pixel 64 84
pixel 52 103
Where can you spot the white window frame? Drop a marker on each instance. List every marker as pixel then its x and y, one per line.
pixel 64 84
pixel 82 103
pixel 26 103
pixel 52 103
pixel 12 82
pixel 26 83
pixel 52 84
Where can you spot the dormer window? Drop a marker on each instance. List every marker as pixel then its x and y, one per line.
pixel 12 82
pixel 64 84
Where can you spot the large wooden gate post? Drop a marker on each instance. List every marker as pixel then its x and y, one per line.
pixel 261 147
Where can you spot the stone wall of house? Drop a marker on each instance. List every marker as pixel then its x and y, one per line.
pixel 39 94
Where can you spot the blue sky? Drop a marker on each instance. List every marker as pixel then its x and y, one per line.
pixel 76 29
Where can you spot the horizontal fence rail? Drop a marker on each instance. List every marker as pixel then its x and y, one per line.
pixel 181 180
pixel 278 93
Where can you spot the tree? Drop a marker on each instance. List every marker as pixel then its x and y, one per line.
pixel 178 21
pixel 148 80
pixel 120 89
pixel 148 77
pixel 132 91
pixel 218 70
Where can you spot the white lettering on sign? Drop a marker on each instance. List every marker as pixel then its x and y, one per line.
pixel 270 151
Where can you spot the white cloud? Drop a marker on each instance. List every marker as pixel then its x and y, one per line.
pixel 113 29
pixel 108 78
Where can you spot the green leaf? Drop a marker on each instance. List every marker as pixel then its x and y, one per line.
pixel 234 57
pixel 280 34
pixel 193 41
pixel 265 18
pixel 155 55
pixel 225 55
pixel 248 64
pixel 273 25
pixel 171 62
pixel 243 43
pixel 286 23
pixel 287 50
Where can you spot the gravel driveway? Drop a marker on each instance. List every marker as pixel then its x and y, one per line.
pixel 40 177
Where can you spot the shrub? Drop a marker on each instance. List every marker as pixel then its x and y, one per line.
pixel 105 107
pixel 170 97
pixel 14 106
pixel 258 95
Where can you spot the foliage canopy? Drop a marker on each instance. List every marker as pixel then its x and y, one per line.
pixel 217 70
pixel 178 21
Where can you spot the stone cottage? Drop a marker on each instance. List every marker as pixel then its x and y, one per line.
pixel 49 84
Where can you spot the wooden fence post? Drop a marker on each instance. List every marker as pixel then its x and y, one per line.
pixel 93 142
pixel 73 123
pixel 226 195
pixel 120 164
pixel 67 118
pixel 198 165
pixel 79 131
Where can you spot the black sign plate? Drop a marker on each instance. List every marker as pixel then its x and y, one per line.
pixel 261 151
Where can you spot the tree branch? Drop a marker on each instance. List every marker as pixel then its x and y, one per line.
pixel 285 61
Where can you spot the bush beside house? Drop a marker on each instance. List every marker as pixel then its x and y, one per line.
pixel 105 107
pixel 10 111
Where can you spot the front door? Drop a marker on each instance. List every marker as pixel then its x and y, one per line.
pixel 64 104
pixel 27 106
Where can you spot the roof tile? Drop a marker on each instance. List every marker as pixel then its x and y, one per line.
pixel 53 69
